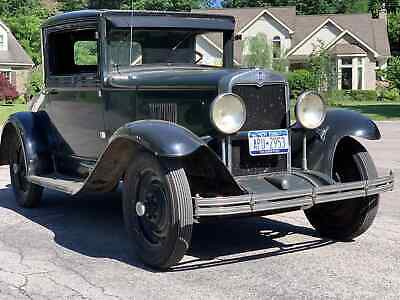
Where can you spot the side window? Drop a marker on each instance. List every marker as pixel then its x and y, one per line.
pixel 85 53
pixel 72 52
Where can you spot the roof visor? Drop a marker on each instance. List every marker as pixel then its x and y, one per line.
pixel 166 20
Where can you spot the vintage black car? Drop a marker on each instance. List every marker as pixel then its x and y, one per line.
pixel 128 100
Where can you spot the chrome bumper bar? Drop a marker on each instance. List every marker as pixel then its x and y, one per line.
pixel 301 198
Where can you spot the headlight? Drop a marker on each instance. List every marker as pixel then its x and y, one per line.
pixel 228 113
pixel 310 110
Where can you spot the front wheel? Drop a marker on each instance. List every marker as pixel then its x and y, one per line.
pixel 345 220
pixel 158 211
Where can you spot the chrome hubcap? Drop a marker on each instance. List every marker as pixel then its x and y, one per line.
pixel 15 168
pixel 140 209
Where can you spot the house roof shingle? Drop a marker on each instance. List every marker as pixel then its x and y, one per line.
pixel 345 49
pixel 15 55
pixel 371 31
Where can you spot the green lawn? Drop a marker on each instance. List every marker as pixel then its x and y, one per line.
pixel 8 109
pixel 377 111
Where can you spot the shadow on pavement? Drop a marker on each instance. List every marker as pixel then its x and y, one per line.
pixel 92 225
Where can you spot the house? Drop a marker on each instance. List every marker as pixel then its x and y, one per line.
pixel 15 63
pixel 358 44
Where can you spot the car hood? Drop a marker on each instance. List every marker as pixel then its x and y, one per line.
pixel 189 77
pixel 178 77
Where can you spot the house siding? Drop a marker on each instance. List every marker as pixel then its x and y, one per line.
pixel 370 73
pixel 326 34
pixel 268 26
pixel 211 55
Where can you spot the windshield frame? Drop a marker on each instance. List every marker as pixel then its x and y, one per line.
pixel 227 55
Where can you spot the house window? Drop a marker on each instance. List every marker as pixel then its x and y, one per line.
pixel 276 47
pixel 6 74
pixel 2 43
pixel 352 73
pixel 347 73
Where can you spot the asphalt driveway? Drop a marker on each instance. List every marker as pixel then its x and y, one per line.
pixel 76 248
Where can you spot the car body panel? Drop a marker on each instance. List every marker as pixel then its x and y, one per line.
pixel 339 123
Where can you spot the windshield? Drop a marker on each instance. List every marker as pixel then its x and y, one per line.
pixel 127 48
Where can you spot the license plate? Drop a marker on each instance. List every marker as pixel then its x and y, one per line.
pixel 268 142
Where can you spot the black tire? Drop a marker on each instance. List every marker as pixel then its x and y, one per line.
pixel 345 220
pixel 162 235
pixel 26 194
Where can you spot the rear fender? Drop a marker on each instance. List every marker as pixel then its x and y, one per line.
pixel 322 142
pixel 34 131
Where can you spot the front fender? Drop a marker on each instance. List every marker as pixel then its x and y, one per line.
pixel 160 137
pixel 34 131
pixel 205 171
pixel 322 142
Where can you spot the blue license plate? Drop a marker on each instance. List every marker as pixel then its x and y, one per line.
pixel 268 142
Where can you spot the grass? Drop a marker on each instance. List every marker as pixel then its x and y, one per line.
pixel 378 111
pixel 7 109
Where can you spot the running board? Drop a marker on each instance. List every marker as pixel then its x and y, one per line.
pixel 59 182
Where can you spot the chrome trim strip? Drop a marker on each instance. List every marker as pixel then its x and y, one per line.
pixel 229 161
pixel 264 202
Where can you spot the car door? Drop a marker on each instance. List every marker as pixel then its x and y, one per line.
pixel 75 106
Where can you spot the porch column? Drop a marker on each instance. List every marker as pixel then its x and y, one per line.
pixel 339 73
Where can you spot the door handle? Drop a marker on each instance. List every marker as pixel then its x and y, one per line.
pixel 50 92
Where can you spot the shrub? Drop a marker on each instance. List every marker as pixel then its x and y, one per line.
pixel 300 81
pixel 364 96
pixel 392 94
pixel 392 72
pixel 337 97
pixel 8 93
pixel 35 83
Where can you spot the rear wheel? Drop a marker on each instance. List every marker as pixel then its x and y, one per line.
pixel 345 220
pixel 158 211
pixel 26 193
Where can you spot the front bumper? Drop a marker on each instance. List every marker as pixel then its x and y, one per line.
pixel 308 189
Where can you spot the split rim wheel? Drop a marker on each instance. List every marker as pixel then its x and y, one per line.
pixel 26 193
pixel 158 211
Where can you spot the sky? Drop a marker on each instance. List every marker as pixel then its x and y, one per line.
pixel 217 3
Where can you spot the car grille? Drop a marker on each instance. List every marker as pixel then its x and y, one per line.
pixel 164 111
pixel 266 110
pixel 266 106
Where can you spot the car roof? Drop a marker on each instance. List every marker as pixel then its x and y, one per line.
pixel 147 19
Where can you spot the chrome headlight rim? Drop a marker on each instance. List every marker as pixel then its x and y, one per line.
pixel 300 101
pixel 243 113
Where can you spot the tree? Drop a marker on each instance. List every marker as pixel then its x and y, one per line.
pixel 7 90
pixel 305 6
pixel 374 7
pixel 178 5
pixel 71 5
pixel 323 68
pixel 27 31
pixel 392 72
pixel 258 52
pixel 24 18
pixel 394 28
